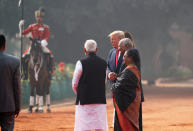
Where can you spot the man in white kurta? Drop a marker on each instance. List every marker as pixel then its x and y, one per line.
pixel 90 116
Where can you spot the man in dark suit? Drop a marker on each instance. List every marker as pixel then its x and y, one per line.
pixel 124 45
pixel 115 58
pixel 10 88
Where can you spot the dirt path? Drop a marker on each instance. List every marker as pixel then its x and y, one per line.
pixel 165 109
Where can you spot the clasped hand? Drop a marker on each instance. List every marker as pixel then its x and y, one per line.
pixel 112 76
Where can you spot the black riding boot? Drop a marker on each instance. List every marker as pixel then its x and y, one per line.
pixel 51 64
pixel 24 63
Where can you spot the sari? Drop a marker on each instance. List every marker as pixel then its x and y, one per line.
pixel 127 99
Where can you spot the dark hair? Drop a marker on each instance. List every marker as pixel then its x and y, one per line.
pixel 2 40
pixel 134 54
pixel 130 36
pixel 42 9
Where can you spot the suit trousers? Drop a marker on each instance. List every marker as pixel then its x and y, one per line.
pixel 140 118
pixel 7 121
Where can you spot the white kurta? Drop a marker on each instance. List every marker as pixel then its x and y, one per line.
pixel 91 116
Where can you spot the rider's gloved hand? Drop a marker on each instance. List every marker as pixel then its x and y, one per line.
pixel 21 24
pixel 44 43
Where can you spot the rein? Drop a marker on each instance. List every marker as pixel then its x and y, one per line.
pixel 37 69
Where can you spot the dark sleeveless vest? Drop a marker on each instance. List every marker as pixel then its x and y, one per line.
pixel 91 87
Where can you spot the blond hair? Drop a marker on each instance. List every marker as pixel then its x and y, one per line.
pixel 120 34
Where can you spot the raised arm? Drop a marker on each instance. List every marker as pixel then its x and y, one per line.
pixel 27 30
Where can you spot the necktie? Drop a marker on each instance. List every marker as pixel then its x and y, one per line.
pixel 117 57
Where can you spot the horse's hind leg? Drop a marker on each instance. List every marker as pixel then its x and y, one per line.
pixel 40 94
pixel 37 103
pixel 31 101
pixel 48 102
pixel 48 97
pixel 41 101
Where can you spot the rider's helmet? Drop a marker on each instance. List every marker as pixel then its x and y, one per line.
pixel 40 12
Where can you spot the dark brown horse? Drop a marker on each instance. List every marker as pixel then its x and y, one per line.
pixel 39 76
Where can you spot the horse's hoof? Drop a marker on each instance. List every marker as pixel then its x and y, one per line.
pixel 36 110
pixel 30 110
pixel 48 111
pixel 41 111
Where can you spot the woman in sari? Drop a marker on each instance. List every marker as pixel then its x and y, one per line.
pixel 127 94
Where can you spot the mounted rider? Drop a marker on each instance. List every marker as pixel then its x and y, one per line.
pixel 41 31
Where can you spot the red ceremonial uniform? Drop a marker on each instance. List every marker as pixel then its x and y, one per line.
pixel 38 30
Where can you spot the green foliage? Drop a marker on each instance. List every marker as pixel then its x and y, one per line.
pixel 180 72
pixel 63 71
pixel 25 90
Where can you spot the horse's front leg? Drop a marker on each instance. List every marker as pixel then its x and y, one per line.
pixel 37 103
pixel 31 101
pixel 48 103
pixel 40 100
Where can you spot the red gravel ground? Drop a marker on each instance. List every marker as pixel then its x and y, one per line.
pixel 164 109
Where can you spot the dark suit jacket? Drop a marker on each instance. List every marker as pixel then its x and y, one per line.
pixel 111 63
pixel 10 84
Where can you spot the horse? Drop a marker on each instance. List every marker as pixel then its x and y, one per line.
pixel 39 79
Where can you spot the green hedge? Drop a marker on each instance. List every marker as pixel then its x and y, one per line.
pixel 58 91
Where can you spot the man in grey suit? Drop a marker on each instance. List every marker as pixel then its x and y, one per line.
pixel 10 88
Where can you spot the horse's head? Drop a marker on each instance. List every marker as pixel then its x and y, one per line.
pixel 36 50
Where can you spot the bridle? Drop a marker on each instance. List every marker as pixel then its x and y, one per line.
pixel 36 67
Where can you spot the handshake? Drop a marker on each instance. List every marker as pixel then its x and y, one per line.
pixel 112 76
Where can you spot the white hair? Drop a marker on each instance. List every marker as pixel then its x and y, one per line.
pixel 126 42
pixel 118 33
pixel 90 45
